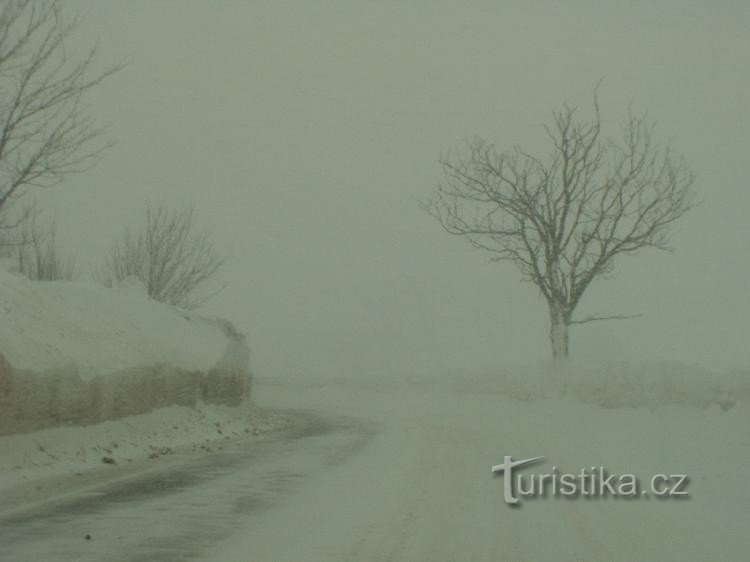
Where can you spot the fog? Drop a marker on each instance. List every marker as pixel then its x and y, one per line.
pixel 306 133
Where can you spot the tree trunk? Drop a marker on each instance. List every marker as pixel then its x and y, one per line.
pixel 558 333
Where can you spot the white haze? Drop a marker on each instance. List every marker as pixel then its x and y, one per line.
pixel 307 132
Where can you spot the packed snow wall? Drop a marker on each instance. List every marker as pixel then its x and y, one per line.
pixel 79 353
pixel 32 400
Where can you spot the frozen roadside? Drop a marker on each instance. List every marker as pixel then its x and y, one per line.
pixel 46 464
pixel 99 383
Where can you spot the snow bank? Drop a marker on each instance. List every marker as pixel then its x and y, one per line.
pixel 97 330
pixel 76 353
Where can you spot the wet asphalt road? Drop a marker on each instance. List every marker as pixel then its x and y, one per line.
pixel 186 505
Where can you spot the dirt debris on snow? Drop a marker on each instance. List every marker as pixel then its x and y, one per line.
pixel 33 465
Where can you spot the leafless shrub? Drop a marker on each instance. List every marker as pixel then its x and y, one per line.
pixel 175 260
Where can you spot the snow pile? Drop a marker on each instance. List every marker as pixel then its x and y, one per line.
pixel 77 353
pixel 98 330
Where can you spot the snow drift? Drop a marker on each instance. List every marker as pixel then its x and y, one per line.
pixel 78 353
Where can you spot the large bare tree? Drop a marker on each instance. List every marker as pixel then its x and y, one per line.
pixel 45 133
pixel 563 217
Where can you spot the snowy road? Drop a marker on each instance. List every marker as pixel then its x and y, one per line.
pixel 185 504
pixel 404 474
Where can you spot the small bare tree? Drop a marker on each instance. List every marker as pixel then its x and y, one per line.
pixel 12 226
pixel 45 133
pixel 562 218
pixel 33 247
pixel 175 260
pixel 39 256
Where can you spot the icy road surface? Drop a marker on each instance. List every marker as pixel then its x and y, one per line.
pixel 403 473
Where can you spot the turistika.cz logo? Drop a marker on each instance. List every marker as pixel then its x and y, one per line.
pixel 589 481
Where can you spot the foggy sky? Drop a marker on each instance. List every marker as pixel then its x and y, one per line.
pixel 307 132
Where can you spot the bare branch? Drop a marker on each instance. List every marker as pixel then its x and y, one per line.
pixel 45 134
pixel 598 317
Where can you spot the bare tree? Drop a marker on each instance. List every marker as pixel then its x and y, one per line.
pixel 175 260
pixel 33 246
pixel 13 223
pixel 562 218
pixel 39 257
pixel 45 133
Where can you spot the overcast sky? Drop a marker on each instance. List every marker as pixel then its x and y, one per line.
pixel 307 132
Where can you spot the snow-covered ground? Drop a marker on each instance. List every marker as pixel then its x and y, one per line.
pixel 401 471
pixel 397 467
pixel 422 488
